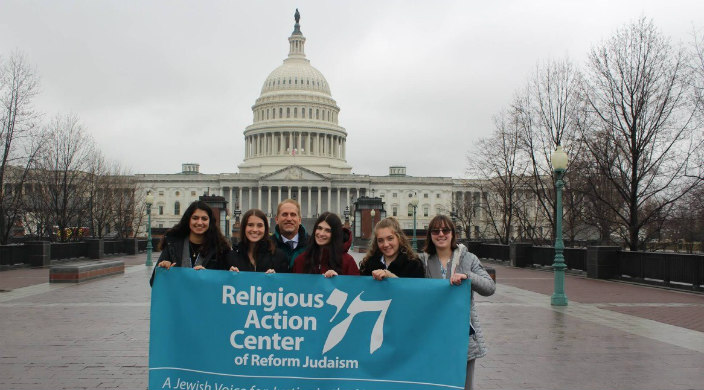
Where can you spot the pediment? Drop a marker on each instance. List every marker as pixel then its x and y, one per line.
pixel 293 173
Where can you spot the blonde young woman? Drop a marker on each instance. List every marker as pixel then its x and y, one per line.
pixel 390 255
pixel 444 258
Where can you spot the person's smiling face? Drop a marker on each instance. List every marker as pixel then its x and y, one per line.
pixel 323 234
pixel 254 230
pixel 388 243
pixel 199 222
pixel 441 236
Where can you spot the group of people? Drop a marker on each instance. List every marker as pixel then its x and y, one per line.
pixel 196 243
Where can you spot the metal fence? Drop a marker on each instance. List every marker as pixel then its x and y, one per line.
pixel 676 270
pixel 669 269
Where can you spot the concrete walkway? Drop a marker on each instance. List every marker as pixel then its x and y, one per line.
pixel 611 336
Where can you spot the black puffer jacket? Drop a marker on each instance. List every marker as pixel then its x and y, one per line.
pixel 278 261
pixel 173 252
pixel 402 266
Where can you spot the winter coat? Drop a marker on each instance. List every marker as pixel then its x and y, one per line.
pixel 482 283
pixel 265 259
pixel 291 254
pixel 173 252
pixel 402 266
pixel 349 266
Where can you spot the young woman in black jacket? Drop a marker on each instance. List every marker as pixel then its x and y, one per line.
pixel 256 251
pixel 195 242
pixel 391 255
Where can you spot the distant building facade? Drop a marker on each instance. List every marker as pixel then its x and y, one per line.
pixel 295 148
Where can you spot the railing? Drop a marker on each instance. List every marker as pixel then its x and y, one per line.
pixel 676 270
pixel 493 251
pixel 67 250
pixel 14 254
pixel 661 268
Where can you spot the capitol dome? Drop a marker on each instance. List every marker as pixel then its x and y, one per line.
pixel 296 75
pixel 295 119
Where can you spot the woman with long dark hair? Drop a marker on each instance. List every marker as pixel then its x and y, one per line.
pixel 444 258
pixel 195 242
pixel 327 249
pixel 390 255
pixel 256 251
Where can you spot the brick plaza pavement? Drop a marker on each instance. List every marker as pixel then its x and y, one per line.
pixel 611 336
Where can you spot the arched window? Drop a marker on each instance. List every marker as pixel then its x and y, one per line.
pixel 288 112
pixel 317 113
pixel 281 112
pixel 303 112
pixel 177 208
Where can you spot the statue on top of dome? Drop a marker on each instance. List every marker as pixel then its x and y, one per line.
pixel 297 16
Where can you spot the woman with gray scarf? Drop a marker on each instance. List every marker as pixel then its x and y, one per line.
pixel 444 258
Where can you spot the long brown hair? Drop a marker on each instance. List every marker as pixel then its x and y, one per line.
pixel 404 245
pixel 438 222
pixel 245 243
pixel 313 255
pixel 213 238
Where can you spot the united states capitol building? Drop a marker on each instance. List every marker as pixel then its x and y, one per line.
pixel 296 148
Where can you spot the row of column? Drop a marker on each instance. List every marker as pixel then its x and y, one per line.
pixel 290 142
pixel 472 198
pixel 313 199
pixel 270 113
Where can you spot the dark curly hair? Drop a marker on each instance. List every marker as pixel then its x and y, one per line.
pixel 213 237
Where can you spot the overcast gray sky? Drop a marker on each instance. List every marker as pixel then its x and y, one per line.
pixel 158 83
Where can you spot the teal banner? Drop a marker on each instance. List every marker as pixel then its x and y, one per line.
pixel 219 330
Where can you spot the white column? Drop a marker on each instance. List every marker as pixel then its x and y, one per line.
pixel 329 198
pixel 339 210
pixel 259 198
pixel 268 205
pixel 239 200
pixel 310 189
pixel 278 192
pixel 320 207
pixel 300 198
pixel 249 201
pixel 289 192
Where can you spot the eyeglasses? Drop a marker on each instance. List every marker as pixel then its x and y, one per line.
pixel 436 232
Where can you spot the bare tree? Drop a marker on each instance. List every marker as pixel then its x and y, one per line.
pixel 465 215
pixel 65 175
pixel 550 111
pixel 498 161
pixel 697 83
pixel 19 140
pixel 636 90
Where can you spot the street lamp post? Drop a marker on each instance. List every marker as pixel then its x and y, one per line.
pixel 559 164
pixel 227 226
pixel 148 201
pixel 414 204
pixel 453 217
pixel 347 214
pixel 371 232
